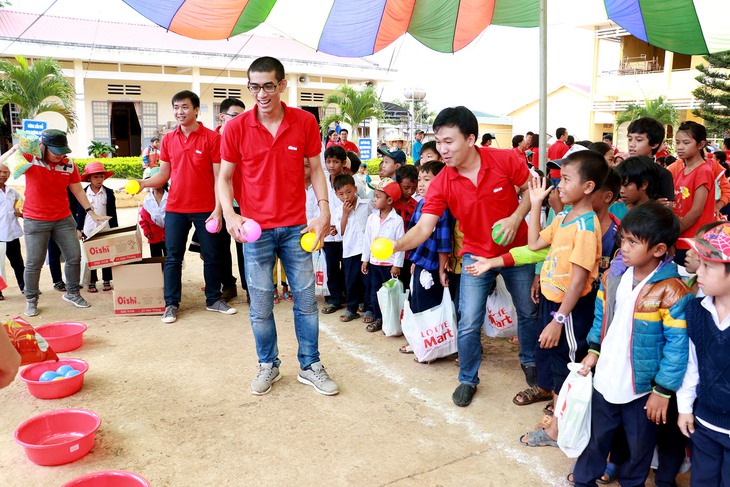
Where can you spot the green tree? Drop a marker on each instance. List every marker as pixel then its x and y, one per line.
pixel 353 107
pixel 714 93
pixel 422 113
pixel 37 88
pixel 658 109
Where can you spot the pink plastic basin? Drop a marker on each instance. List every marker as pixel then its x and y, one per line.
pixel 57 388
pixel 58 437
pixel 63 336
pixel 109 478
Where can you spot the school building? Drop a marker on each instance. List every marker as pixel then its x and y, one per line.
pixel 125 75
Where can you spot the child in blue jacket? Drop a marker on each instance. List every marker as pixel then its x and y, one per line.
pixel 638 345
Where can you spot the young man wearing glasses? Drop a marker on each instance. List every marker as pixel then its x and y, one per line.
pixel 230 107
pixel 270 144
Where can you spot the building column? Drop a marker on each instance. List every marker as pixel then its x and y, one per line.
pixel 82 136
pixel 293 89
pixel 668 62
pixel 196 80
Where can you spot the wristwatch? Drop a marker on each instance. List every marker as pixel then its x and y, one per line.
pixel 89 209
pixel 560 318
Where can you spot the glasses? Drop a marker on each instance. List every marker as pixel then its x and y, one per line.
pixel 268 88
pixel 232 115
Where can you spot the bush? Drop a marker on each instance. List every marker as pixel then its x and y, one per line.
pixel 374 163
pixel 123 167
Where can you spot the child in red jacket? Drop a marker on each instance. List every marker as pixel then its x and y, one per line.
pixel 152 218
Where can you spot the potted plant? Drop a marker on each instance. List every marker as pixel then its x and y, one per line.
pixel 100 149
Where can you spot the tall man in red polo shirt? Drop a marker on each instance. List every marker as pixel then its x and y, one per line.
pixel 270 144
pixel 190 155
pixel 557 151
pixel 477 185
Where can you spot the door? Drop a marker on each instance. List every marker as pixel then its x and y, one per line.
pixel 126 131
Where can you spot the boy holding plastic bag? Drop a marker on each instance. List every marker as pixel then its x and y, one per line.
pixel 638 345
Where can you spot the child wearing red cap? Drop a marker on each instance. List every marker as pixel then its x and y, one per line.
pixel 104 203
pixel 383 223
pixel 704 398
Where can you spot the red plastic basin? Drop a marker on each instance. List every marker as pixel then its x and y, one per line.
pixel 109 478
pixel 58 388
pixel 63 336
pixel 58 437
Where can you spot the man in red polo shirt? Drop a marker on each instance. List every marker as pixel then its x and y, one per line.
pixel 270 144
pixel 477 185
pixel 190 155
pixel 557 151
pixel 349 146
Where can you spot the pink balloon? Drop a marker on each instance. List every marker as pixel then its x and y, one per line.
pixel 250 231
pixel 212 225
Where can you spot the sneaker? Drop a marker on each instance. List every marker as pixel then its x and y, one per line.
pixel 318 378
pixel 268 374
pixel 59 286
pixel 221 307
pixel 31 307
pixel 170 314
pixel 463 395
pixel 228 293
pixel 76 300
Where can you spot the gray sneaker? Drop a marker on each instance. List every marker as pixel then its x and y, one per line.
pixel 268 374
pixel 76 300
pixel 221 307
pixel 318 378
pixel 31 307
pixel 170 314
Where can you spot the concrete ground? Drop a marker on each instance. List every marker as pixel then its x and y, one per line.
pixel 176 407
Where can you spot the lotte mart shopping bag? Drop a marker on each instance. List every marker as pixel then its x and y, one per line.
pixel 320 273
pixel 500 320
pixel 573 412
pixel 431 333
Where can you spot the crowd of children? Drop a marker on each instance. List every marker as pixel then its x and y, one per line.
pixel 622 247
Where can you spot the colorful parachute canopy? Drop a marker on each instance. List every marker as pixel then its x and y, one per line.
pixel 349 28
pixel 682 26
pixel 355 28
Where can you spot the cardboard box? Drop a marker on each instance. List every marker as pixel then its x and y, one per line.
pixel 139 287
pixel 113 247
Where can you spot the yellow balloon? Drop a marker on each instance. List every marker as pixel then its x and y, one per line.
pixel 132 187
pixel 381 248
pixel 58 378
pixel 308 241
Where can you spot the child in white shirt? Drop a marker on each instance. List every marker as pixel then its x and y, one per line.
pixel 386 223
pixel 10 230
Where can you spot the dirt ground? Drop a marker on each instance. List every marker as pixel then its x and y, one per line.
pixel 176 407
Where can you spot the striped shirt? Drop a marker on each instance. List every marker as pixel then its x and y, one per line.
pixel 426 254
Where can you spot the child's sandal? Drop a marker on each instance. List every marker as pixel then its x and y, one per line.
pixel 376 325
pixel 107 286
pixel 92 287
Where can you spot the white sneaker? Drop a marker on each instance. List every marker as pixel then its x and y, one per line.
pixel 221 307
pixel 170 315
pixel 318 378
pixel 268 374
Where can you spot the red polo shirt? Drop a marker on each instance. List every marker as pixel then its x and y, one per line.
pixel 350 146
pixel 191 161
pixel 555 152
pixel 45 191
pixel 478 207
pixel 272 168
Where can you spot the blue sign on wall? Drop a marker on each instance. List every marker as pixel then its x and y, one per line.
pixel 365 146
pixel 34 127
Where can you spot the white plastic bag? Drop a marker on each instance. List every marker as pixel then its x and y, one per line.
pixel 431 333
pixel 573 412
pixel 320 273
pixel 391 298
pixel 500 320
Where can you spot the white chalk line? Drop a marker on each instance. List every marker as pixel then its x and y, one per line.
pixel 452 416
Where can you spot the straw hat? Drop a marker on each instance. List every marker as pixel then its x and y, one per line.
pixel 95 167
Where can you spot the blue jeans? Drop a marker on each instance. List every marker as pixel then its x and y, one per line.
pixel 473 293
pixel 177 229
pixel 260 258
pixel 37 235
